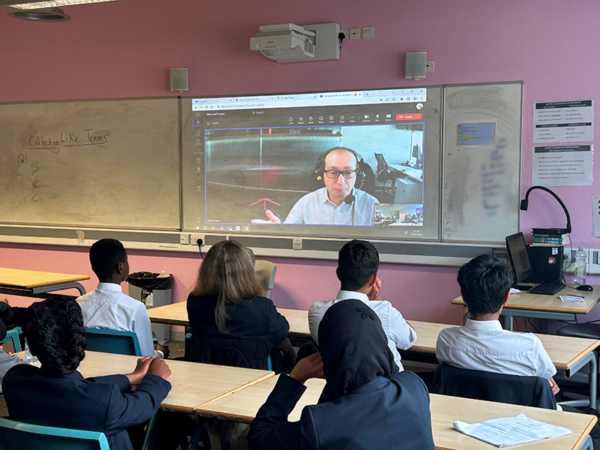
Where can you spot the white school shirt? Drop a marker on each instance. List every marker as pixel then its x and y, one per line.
pixel 109 308
pixel 399 334
pixel 484 345
pixel 316 209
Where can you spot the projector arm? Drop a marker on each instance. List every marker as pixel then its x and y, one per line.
pixel 525 204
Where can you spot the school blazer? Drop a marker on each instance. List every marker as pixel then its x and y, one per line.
pixel 104 404
pixel 382 414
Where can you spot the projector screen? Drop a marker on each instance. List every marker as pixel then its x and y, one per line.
pixel 331 164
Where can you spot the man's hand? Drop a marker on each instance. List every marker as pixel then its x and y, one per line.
pixel 164 349
pixel 159 368
pixel 374 294
pixel 309 367
pixel 554 386
pixel 272 218
pixel 141 369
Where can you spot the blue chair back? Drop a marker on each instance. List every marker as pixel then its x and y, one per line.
pixel 111 341
pixel 18 436
pixel 13 336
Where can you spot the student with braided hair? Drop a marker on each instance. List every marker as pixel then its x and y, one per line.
pixel 57 394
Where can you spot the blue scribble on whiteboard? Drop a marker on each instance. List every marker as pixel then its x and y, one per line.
pixel 492 179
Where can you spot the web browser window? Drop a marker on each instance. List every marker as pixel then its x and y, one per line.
pixel 346 163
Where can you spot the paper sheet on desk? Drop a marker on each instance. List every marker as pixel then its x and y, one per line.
pixel 571 298
pixel 509 431
pixel 514 291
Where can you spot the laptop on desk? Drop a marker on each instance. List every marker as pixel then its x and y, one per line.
pixel 545 267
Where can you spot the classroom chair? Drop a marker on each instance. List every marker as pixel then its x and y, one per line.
pixel 227 351
pixel 385 174
pixel 13 336
pixel 111 341
pixel 266 271
pixel 18 436
pixel 494 387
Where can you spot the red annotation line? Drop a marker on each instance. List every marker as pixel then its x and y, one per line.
pixel 265 200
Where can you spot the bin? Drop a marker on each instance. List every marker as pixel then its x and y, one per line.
pixel 153 289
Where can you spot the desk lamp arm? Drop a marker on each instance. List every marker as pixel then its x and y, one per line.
pixel 525 204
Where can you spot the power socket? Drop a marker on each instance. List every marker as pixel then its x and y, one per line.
pixel 297 244
pixel 194 238
pixel 354 33
pixel 184 239
pixel 368 32
pixel 344 34
pixel 430 66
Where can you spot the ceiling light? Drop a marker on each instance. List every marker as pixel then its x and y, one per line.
pixel 10 6
pixel 42 15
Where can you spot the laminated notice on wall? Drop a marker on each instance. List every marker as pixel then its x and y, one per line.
pixel 570 121
pixel 564 165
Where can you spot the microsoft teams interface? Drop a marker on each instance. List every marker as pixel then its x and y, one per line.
pixel 264 164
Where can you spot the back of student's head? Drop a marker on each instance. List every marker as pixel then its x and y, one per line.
pixel 484 284
pixel 55 334
pixel 227 272
pixel 105 254
pixel 358 261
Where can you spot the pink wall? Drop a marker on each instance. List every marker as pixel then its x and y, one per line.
pixel 125 49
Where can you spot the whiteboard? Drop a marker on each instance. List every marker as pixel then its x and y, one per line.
pixel 481 176
pixel 105 163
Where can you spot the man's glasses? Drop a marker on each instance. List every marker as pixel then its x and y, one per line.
pixel 335 174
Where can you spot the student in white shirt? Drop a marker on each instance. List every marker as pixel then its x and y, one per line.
pixel 482 344
pixel 358 263
pixel 108 307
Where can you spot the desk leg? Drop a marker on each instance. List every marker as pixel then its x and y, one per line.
pixel 587 444
pixel 590 359
pixel 80 288
pixel 593 381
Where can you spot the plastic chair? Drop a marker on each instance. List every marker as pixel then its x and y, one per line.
pixel 13 336
pixel 17 436
pixel 266 271
pixel 111 341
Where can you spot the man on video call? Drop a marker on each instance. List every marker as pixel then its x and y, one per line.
pixel 339 202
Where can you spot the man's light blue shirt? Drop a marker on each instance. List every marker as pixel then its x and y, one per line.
pixel 316 209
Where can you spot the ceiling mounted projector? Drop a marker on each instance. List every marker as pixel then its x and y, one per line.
pixel 284 42
pixel 287 42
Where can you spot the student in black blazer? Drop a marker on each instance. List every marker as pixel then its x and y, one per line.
pixel 57 395
pixel 366 403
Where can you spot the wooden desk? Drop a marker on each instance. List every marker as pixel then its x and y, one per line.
pixel 445 410
pixel 537 306
pixel 36 284
pixel 298 320
pixel 243 405
pixel 193 384
pixel 410 172
pixel 173 314
pixel 176 314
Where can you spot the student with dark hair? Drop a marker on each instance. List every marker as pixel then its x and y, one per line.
pixel 358 264
pixel 228 301
pixel 482 344
pixel 108 307
pixel 57 395
pixel 366 404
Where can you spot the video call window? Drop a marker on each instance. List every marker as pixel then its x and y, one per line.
pixel 310 162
